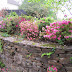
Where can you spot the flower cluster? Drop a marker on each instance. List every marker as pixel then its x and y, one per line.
pixel 52 69
pixel 22 19
pixel 3 13
pixel 59 30
pixel 29 29
pixel 43 22
pixel 10 25
pixel 2 26
pixel 3 69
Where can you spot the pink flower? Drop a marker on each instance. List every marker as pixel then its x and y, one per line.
pixel 59 35
pixel 6 68
pixel 47 26
pixel 58 27
pixel 0 26
pixel 49 68
pixel 65 15
pixel 58 38
pixel 7 18
pixel 52 65
pixel 16 25
pixel 62 27
pixel 43 21
pixel 55 68
pixel 1 22
pixel 70 26
pixel 70 31
pixel 66 37
pixel 70 36
pixel 52 29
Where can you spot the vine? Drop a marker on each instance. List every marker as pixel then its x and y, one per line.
pixel 1 45
pixel 49 54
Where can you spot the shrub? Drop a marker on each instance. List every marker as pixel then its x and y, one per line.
pixel 3 26
pixel 27 17
pixel 29 29
pixel 3 13
pixel 10 25
pixel 11 14
pixel 43 22
pixel 60 31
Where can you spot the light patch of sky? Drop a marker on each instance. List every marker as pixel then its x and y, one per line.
pixel 67 12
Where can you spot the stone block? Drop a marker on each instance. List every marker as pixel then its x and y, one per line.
pixel 68 68
pixel 64 60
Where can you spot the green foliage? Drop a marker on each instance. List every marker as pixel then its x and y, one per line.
pixel 0 62
pixel 60 31
pixel 1 45
pixel 61 42
pixel 33 43
pixel 11 25
pixel 11 14
pixel 27 17
pixel 55 4
pixel 36 9
pixel 29 55
pixel 23 36
pixel 51 69
pixel 48 54
pixel 43 22
pixel 71 59
pixel 5 35
pixel 2 65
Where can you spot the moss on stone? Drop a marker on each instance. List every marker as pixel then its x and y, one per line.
pixel 17 41
pixel 51 45
pixel 33 43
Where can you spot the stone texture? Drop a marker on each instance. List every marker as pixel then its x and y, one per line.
pixel 25 57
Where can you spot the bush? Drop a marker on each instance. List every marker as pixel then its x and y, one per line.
pixel 10 25
pixel 29 29
pixel 43 22
pixel 27 17
pixel 60 31
pixel 11 14
pixel 3 13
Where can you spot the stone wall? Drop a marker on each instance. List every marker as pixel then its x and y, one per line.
pixel 26 57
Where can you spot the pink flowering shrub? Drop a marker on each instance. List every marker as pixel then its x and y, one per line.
pixel 3 13
pixel 2 26
pixel 4 70
pixel 43 22
pixel 10 25
pixel 60 31
pixel 29 29
pixel 52 69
